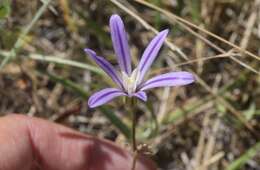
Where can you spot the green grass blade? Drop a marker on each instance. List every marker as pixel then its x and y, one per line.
pixel 18 44
pixel 113 118
pixel 116 121
pixel 60 60
pixel 5 8
pixel 241 161
pixel 67 84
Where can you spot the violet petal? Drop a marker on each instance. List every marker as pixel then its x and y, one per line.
pixel 169 79
pixel 106 66
pixel 151 52
pixel 141 95
pixel 120 44
pixel 104 96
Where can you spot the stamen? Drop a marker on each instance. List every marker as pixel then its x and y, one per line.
pixel 130 82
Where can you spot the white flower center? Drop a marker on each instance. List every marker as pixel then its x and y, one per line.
pixel 131 82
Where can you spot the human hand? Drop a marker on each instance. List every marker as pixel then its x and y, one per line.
pixel 30 143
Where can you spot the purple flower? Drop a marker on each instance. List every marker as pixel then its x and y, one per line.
pixel 131 82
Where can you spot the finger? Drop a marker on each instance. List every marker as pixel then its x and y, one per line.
pixel 29 142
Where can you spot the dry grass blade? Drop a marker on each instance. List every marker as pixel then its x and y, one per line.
pixel 249 28
pixel 220 49
pixel 229 107
pixel 175 17
pixel 164 69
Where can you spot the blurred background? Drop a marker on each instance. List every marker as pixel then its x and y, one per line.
pixel 212 124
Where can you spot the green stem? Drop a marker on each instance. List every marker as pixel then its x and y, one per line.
pixel 134 160
pixel 133 126
pixel 134 122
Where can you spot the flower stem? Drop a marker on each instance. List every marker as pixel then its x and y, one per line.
pixel 133 127
pixel 134 160
pixel 134 122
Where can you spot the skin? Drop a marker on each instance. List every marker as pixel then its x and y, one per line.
pixel 34 144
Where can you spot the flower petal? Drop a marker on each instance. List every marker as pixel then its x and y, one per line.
pixel 169 79
pixel 104 96
pixel 141 95
pixel 120 44
pixel 151 52
pixel 106 66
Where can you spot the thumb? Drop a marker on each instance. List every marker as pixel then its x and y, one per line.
pixel 28 143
